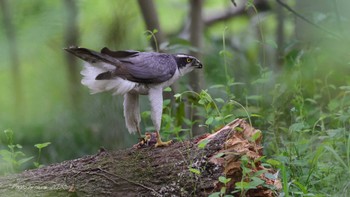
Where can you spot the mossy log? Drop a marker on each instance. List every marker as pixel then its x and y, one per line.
pixel 189 168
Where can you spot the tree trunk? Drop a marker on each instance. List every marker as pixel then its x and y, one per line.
pixel 71 39
pixel 150 16
pixel 280 18
pixel 189 168
pixel 196 77
pixel 14 59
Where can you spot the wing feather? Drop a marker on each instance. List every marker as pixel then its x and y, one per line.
pixel 149 67
pixel 135 66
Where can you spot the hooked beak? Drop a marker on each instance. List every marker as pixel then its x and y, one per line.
pixel 198 64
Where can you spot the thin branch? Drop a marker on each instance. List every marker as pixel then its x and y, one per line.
pixel 224 15
pixel 307 20
pixel 237 10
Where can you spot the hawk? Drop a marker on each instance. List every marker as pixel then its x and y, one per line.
pixel 133 73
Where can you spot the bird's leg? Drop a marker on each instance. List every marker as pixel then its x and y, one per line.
pixel 160 142
pixel 156 99
pixel 139 131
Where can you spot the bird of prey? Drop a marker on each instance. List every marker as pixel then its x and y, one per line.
pixel 133 73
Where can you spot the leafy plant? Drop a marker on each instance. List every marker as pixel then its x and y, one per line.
pixel 152 35
pixel 40 147
pixel 13 158
pixel 223 191
pixel 250 179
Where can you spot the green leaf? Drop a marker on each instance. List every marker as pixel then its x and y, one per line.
pixel 256 136
pixel 209 120
pixel 216 86
pixel 24 160
pixel 225 53
pixel 42 145
pixel 195 171
pixel 242 185
pixel 8 132
pixel 224 180
pixel 313 101
pixel 297 126
pixel 345 88
pixel 166 102
pixel 218 118
pixel 337 156
pixel 228 116
pixel 256 182
pixel 187 121
pixel 202 101
pixel 149 37
pixel 219 155
pixel 238 129
pixel 254 97
pixel 273 162
pixel 270 176
pixel 258 173
pixel 236 84
pixel 36 164
pixel 5 153
pixel 301 187
pixel 167 89
pixel 177 96
pixel 203 143
pixel 215 194
pixel 223 190
pixel 219 100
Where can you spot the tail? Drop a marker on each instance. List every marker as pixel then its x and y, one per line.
pixel 96 66
pixel 116 85
pixel 92 56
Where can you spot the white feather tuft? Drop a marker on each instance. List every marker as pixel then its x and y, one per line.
pixel 116 85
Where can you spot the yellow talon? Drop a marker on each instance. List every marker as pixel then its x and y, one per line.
pixel 160 143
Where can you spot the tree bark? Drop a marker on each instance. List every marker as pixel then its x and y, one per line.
pixel 189 168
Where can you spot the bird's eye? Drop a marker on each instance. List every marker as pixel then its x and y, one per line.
pixel 188 60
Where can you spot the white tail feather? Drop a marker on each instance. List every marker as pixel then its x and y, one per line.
pixel 117 85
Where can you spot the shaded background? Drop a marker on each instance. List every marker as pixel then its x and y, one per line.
pixel 287 63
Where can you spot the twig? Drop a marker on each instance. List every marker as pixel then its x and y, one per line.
pixel 307 20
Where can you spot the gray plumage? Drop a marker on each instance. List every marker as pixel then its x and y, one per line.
pixel 131 73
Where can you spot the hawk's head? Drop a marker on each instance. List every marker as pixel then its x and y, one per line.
pixel 186 63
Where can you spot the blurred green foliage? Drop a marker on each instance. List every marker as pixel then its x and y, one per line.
pixel 302 107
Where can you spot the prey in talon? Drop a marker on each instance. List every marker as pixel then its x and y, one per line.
pixel 131 74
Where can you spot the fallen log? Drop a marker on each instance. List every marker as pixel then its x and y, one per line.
pixel 211 164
